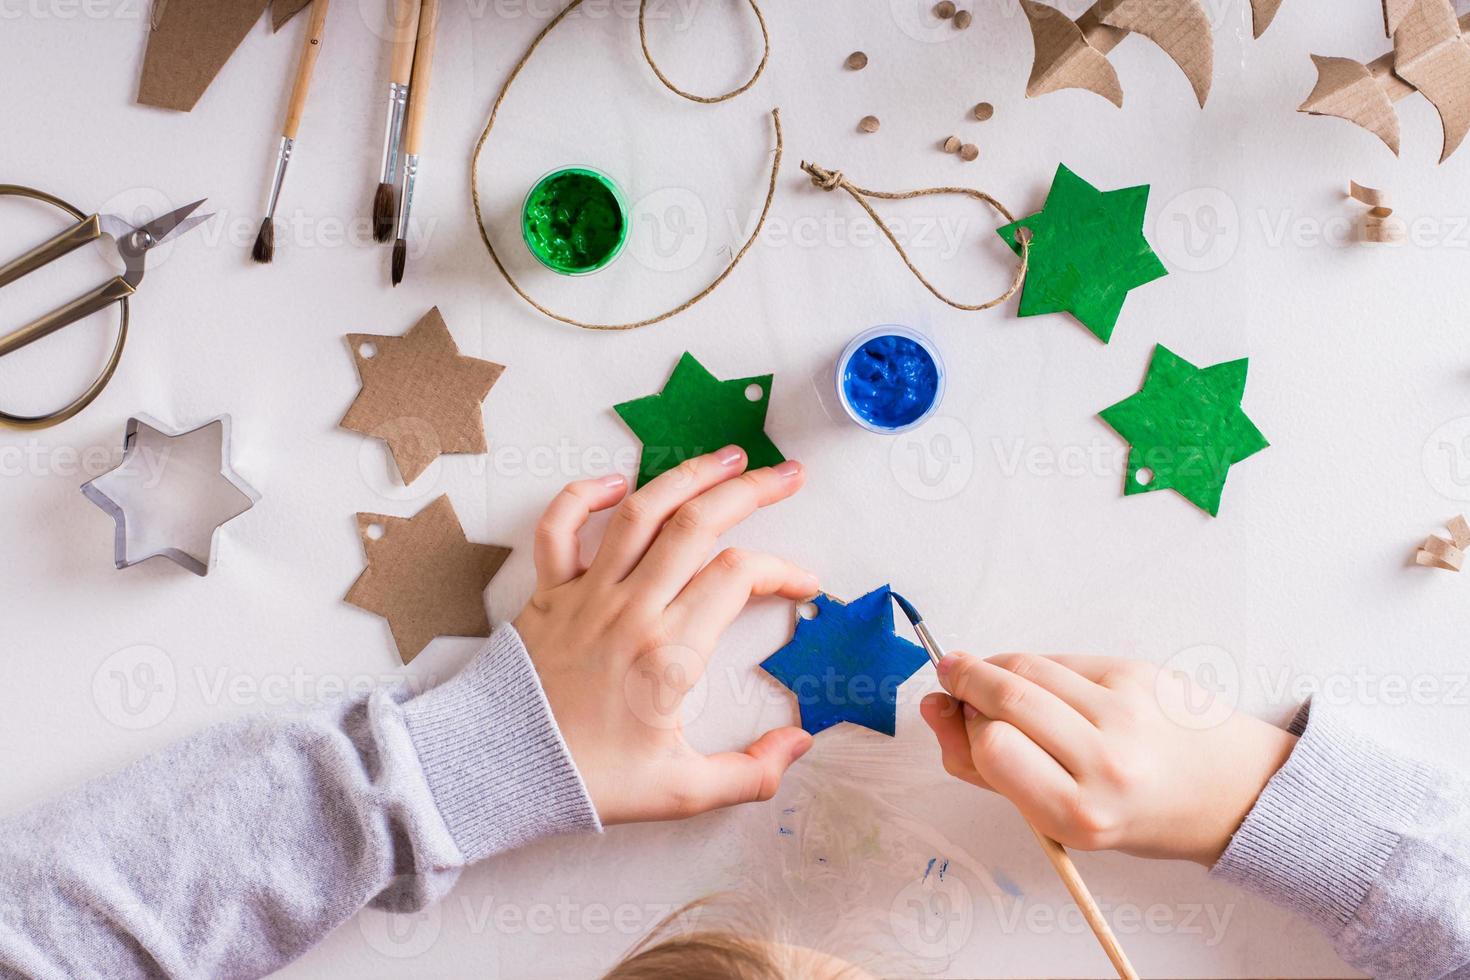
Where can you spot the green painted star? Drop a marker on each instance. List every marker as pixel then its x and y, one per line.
pixel 1087 251
pixel 1185 428
pixel 698 413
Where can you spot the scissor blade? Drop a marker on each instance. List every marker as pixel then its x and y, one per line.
pixel 162 227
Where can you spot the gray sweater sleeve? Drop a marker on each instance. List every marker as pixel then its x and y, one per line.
pixel 1371 847
pixel 233 852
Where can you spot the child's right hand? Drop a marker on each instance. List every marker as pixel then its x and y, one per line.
pixel 1090 750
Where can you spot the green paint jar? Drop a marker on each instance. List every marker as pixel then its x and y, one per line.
pixel 575 220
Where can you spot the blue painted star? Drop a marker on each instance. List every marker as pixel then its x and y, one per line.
pixel 845 663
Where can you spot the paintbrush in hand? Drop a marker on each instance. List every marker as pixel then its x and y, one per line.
pixel 1060 860
pixel 418 102
pixel 404 25
pixel 265 242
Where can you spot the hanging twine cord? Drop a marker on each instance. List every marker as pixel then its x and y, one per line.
pixel 831 180
pixel 647 56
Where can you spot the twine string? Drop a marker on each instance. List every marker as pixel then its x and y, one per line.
pixel 648 57
pixel 831 180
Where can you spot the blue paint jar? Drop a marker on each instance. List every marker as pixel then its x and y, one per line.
pixel 890 378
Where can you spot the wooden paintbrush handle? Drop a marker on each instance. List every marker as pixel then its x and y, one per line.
pixel 403 28
pixel 310 48
pixel 1067 871
pixel 423 67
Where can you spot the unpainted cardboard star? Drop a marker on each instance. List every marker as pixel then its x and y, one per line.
pixel 424 576
pixel 419 394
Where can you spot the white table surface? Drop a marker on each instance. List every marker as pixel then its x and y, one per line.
pixel 1003 516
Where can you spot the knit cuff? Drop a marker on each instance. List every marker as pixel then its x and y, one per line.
pixel 493 756
pixel 1326 823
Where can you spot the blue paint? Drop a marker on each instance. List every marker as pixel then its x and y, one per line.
pixel 784 831
pixel 1006 884
pixel 890 379
pixel 928 868
pixel 943 868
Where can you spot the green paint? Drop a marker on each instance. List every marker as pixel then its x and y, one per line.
pixel 1087 251
pixel 575 220
pixel 1186 428
pixel 697 413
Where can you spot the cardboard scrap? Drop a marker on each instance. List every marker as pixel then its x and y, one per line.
pixel 424 576
pixel 420 394
pixel 845 663
pixel 1073 53
pixel 190 41
pixel 1448 555
pixel 1431 55
pixel 1185 428
pixel 1378 224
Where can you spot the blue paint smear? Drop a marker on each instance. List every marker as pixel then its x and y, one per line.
pixel 784 831
pixel 1006 884
pixel 890 381
pixel 928 868
pixel 943 868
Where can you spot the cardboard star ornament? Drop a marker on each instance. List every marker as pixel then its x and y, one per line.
pixel 420 394
pixel 1185 428
pixel 845 663
pixel 171 493
pixel 424 576
pixel 697 413
pixel 1087 252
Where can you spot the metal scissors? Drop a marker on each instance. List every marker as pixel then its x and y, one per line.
pixel 133 245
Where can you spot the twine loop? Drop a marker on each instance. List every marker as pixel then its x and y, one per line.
pixel 704 99
pixel 831 180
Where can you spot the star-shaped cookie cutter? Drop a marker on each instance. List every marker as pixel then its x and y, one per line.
pixel 117 490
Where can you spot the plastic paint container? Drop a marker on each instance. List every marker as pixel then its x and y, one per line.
pixel 890 378
pixel 575 220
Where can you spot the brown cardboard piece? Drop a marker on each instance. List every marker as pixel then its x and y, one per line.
pixel 420 394
pixel 1378 224
pixel 1430 55
pixel 1447 555
pixel 1262 13
pixel 424 576
pixel 190 41
pixel 1073 53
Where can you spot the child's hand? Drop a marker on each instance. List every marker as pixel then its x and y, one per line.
pixel 1088 749
pixel 620 642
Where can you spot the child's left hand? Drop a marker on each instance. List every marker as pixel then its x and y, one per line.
pixel 619 642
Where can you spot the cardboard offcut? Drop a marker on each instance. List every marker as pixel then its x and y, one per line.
pixel 189 41
pixel 1442 554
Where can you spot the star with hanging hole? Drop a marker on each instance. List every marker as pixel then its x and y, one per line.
pixel 845 663
pixel 697 413
pixel 171 493
pixel 1087 251
pixel 1185 428
pixel 420 394
pixel 424 576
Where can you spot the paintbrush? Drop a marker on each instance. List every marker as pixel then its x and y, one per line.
pixel 265 242
pixel 418 103
pixel 1056 853
pixel 405 23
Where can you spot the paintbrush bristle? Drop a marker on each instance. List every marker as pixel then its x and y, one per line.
pixel 400 256
pixel 265 242
pixel 383 213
